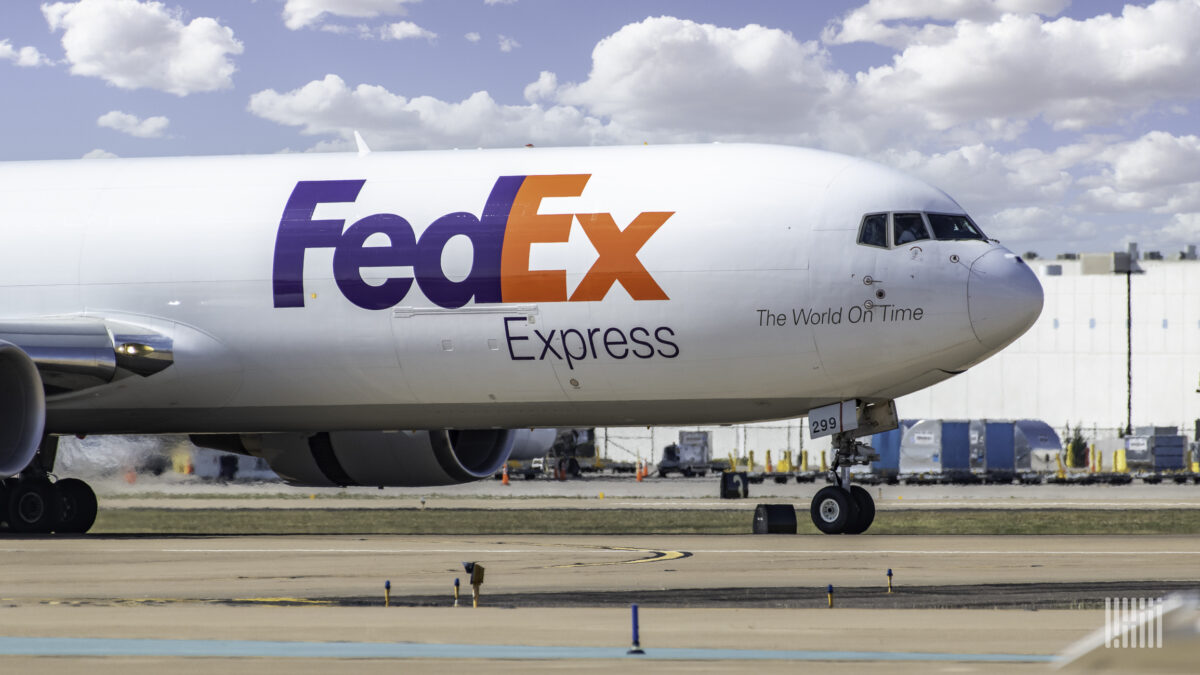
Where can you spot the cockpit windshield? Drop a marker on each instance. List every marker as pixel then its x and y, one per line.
pixel 947 227
pixel 906 228
pixel 874 230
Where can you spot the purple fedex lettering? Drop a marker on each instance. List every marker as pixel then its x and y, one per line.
pixel 299 232
pixel 351 256
pixel 487 239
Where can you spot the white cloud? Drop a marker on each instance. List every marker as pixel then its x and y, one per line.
pixel 362 30
pixel 404 30
pixel 298 14
pixel 981 177
pixel 100 154
pixel 151 127
pixel 890 22
pixel 330 107
pixel 26 57
pixel 136 45
pixel 499 2
pixel 660 80
pixel 508 44
pixel 1074 74
pixel 1183 228
pixel 1156 173
pixel 1157 159
pixel 1022 195
pixel 680 80
pixel 543 89
pixel 970 85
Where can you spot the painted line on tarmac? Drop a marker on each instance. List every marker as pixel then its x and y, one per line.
pixel 932 552
pixel 538 550
pixel 655 556
pixel 60 646
pixel 349 550
pixel 1017 504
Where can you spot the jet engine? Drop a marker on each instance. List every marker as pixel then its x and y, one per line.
pixel 22 409
pixel 375 458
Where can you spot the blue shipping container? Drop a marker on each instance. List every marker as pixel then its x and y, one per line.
pixel 956 447
pixel 887 444
pixel 1000 447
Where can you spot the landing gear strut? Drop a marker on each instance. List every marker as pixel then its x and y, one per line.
pixel 32 503
pixel 844 508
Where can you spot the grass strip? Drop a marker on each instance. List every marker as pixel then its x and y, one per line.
pixel 153 521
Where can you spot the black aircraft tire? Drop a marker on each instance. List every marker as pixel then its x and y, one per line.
pixel 33 506
pixel 78 506
pixel 833 510
pixel 865 508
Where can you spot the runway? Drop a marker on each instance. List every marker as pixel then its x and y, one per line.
pixel 100 569
pixel 606 492
pixel 706 594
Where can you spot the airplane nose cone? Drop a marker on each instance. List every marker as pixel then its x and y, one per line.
pixel 1004 297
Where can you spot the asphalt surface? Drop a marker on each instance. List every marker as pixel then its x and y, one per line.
pixel 197 604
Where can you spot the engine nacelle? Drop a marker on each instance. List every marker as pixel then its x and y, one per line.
pixel 22 409
pixel 532 443
pixel 375 458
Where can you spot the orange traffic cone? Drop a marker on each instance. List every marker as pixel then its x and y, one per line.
pixel 504 476
pixel 640 474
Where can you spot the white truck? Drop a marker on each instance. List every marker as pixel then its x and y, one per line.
pixel 691 456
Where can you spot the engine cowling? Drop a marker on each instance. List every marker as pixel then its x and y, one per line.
pixel 375 458
pixel 532 443
pixel 22 409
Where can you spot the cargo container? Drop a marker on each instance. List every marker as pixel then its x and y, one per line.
pixel 887 445
pixel 1156 449
pixel 971 450
pixel 1035 446
pixel 1000 454
pixel 956 450
pixel 921 450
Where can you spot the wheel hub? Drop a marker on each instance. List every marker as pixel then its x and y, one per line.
pixel 31 508
pixel 830 510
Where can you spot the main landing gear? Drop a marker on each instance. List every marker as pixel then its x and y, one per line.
pixel 844 508
pixel 34 504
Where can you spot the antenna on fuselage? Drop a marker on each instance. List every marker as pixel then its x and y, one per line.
pixel 363 150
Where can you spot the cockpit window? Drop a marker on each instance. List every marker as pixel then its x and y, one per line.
pixel 908 227
pixel 874 230
pixel 953 227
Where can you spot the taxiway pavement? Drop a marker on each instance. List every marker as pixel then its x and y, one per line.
pixel 233 598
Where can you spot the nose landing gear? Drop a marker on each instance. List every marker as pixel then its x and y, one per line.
pixel 844 508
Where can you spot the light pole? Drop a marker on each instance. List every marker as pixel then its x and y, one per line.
pixel 1127 263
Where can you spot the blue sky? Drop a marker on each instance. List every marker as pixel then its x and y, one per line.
pixel 1060 126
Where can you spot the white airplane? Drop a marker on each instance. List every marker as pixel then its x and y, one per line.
pixel 390 319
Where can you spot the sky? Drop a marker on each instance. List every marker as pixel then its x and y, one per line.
pixel 1060 126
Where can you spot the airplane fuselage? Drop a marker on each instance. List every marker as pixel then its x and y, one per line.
pixel 506 288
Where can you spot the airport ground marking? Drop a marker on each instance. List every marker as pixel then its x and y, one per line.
pixel 655 556
pixel 66 646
